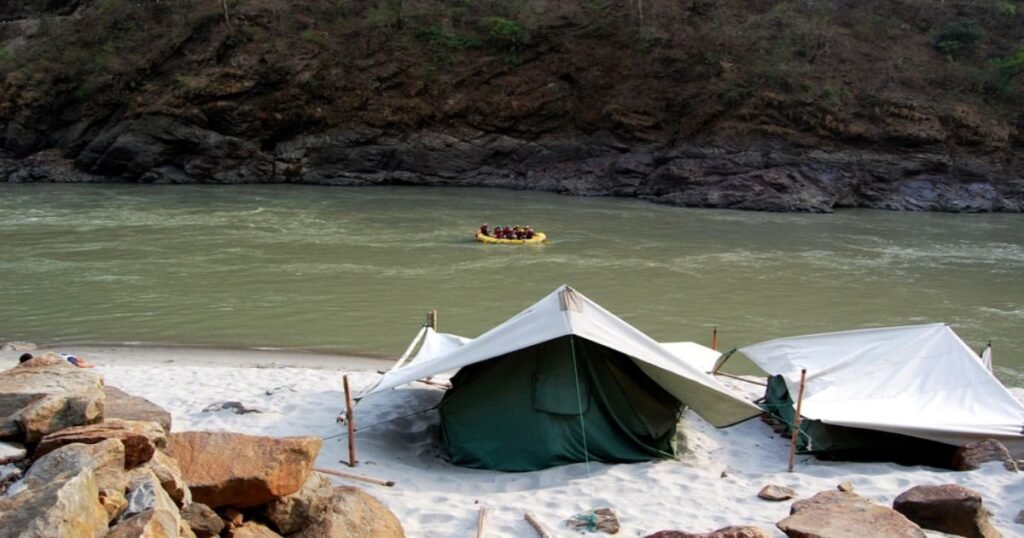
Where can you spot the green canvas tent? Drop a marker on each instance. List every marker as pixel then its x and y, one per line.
pixel 565 381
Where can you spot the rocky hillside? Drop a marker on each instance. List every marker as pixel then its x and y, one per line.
pixel 801 105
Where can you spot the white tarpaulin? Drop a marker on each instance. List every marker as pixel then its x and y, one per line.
pixel 703 358
pixel 567 312
pixel 921 381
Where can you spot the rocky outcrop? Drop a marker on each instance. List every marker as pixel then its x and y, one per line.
pixel 169 474
pixel 354 514
pixel 120 404
pixel 838 514
pixel 45 395
pixel 140 439
pixel 12 452
pixel 251 529
pixel 202 520
pixel 105 460
pixel 295 512
pixel 948 508
pixel 971 456
pixel 242 470
pixel 150 511
pixel 67 505
pixel 9 474
pixel 572 109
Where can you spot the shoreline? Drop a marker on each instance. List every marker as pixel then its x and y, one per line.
pixel 212 357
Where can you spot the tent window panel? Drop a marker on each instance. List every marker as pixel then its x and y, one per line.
pixel 555 380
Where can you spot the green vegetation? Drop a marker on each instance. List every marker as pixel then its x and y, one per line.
pixel 438 39
pixel 958 38
pixel 314 37
pixel 506 36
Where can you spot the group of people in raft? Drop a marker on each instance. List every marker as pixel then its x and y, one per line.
pixel 506 232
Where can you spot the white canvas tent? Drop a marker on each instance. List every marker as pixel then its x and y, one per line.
pixel 922 381
pixel 567 312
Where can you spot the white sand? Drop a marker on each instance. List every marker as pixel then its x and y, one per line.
pixel 712 485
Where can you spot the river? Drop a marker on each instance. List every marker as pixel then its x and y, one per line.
pixel 354 270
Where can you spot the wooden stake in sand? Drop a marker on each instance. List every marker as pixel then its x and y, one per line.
pixel 350 420
pixel 796 420
pixel 532 520
pixel 353 476
pixel 714 338
pixel 481 522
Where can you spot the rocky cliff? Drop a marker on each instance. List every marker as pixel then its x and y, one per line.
pixel 801 105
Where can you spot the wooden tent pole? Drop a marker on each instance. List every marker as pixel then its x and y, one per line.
pixel 714 338
pixel 350 420
pixel 796 420
pixel 743 379
pixel 432 319
pixel 481 522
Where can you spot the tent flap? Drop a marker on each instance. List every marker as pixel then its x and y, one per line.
pixel 921 381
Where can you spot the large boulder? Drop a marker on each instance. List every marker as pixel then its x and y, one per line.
pixel 105 460
pixel 232 469
pixel 725 532
pixel 166 471
pixel 970 457
pixel 169 474
pixel 140 439
pixel 46 394
pixel 297 511
pixel 203 521
pixel 252 529
pixel 948 508
pixel 840 514
pixel 120 404
pixel 68 505
pixel 354 514
pixel 150 511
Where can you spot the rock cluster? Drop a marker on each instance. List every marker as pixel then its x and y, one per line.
pixel 68 469
pixel 949 508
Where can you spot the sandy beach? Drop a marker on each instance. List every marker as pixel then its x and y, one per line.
pixel 712 484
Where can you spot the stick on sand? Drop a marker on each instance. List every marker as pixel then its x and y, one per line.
pixel 532 520
pixel 481 522
pixel 353 476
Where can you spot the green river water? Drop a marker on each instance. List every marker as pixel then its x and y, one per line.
pixel 354 270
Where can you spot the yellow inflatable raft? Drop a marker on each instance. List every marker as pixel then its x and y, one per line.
pixel 538 237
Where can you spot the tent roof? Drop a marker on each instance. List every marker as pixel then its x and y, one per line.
pixel 567 312
pixel 919 380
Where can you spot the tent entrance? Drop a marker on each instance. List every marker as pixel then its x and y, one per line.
pixel 528 409
pixel 843 443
